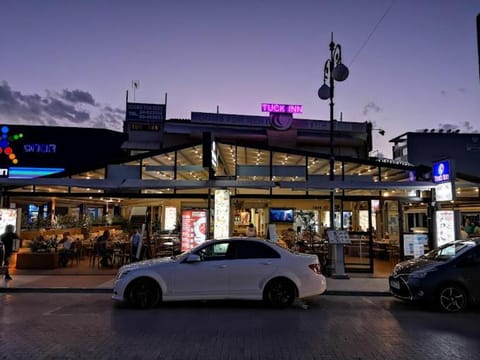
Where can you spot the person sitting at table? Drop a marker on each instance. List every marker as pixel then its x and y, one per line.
pixel 251 231
pixel 65 251
pixel 77 249
pixel 469 227
pixel 104 253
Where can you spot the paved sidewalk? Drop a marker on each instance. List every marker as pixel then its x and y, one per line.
pixel 356 285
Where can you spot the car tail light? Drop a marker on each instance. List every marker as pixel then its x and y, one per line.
pixel 315 268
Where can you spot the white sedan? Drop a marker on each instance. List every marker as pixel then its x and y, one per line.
pixel 235 268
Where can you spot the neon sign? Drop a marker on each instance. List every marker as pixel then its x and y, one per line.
pixel 5 141
pixel 32 172
pixel 40 148
pixel 282 108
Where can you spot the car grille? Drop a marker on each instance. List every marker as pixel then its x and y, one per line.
pixel 404 291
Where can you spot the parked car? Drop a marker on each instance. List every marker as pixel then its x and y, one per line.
pixel 448 276
pixel 235 268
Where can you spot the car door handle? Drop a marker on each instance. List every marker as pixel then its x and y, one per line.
pixel 267 263
pixel 221 266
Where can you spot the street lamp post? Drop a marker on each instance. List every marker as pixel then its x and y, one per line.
pixel 334 70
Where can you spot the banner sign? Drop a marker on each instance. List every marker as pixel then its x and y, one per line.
pixel 194 228
pixel 145 112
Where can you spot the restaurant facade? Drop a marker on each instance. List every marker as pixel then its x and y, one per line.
pixel 187 180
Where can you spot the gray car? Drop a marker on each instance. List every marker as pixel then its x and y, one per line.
pixel 448 276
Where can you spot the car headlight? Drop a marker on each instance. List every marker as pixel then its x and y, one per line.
pixel 122 274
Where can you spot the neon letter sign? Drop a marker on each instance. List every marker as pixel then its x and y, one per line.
pixel 282 108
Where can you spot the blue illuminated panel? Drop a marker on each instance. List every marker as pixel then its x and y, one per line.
pixel 441 171
pixel 31 172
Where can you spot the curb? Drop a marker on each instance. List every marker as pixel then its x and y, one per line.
pixel 356 293
pixel 57 290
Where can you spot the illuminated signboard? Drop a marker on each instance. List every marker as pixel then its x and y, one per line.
pixel 8 217
pixel 145 112
pixel 194 228
pixel 445 224
pixel 442 171
pixel 414 244
pixel 445 191
pixel 5 144
pixel 170 218
pixel 282 108
pixel 31 172
pixel 6 148
pixel 221 228
pixel 40 148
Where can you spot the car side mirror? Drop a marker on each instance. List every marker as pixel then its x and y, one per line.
pixel 192 258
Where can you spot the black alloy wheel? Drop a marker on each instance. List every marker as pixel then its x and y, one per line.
pixel 143 293
pixel 280 293
pixel 452 298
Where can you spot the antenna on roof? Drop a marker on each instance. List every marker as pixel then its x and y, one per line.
pixel 135 86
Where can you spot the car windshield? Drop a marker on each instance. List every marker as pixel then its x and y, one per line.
pixel 181 256
pixel 448 251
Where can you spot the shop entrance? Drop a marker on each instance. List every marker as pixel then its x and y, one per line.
pixel 386 237
pixel 356 218
pixel 373 228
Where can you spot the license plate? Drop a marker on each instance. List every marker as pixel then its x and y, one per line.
pixel 395 284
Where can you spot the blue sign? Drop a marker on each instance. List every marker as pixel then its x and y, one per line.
pixel 145 112
pixel 16 172
pixel 441 171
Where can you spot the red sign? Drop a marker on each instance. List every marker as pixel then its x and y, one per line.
pixel 194 228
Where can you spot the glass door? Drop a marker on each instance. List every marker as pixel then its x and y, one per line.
pixel 356 219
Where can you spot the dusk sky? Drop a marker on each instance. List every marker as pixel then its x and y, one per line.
pixel 413 63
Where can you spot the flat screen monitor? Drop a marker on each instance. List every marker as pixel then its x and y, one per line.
pixel 281 215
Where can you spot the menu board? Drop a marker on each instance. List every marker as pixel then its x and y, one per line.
pixel 445 221
pixel 414 244
pixel 194 228
pixel 338 237
pixel 221 229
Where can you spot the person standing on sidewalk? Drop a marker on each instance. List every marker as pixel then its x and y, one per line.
pixel 135 242
pixel 7 239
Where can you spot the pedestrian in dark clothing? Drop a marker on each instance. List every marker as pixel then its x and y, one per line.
pixel 135 241
pixel 7 239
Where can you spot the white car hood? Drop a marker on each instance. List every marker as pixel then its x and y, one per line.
pixel 146 264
